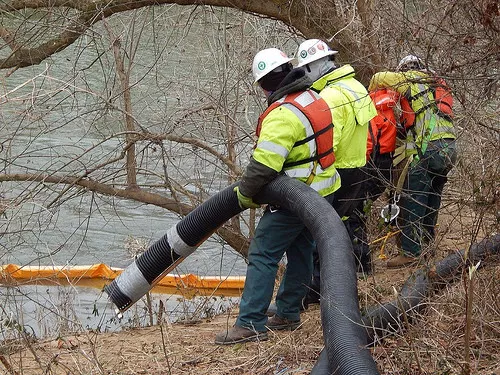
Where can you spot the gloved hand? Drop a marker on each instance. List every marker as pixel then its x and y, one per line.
pixel 243 201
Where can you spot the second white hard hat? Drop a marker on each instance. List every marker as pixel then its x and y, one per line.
pixel 410 62
pixel 266 61
pixel 312 50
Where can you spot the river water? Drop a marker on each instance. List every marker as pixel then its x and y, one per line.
pixel 63 116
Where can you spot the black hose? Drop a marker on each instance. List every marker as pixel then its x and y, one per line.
pixel 344 336
pixel 179 242
pixel 385 320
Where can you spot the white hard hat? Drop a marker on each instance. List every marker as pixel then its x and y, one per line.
pixel 410 62
pixel 267 60
pixel 312 50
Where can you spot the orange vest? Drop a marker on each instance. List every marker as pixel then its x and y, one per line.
pixel 383 127
pixel 442 99
pixel 319 115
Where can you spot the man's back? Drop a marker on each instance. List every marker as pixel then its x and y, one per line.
pixel 417 87
pixel 280 131
pixel 352 109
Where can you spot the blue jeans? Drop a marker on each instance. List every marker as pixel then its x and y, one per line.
pixel 421 199
pixel 277 232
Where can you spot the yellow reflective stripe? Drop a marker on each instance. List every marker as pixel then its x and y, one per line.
pixel 443 129
pixel 421 88
pixel 273 147
pixel 419 124
pixel 424 117
pixel 438 130
pixel 326 183
pixel 410 146
pixel 354 93
pixel 304 172
pixel 429 115
pixel 298 172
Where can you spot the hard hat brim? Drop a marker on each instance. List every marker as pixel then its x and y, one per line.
pixel 328 53
pixel 256 81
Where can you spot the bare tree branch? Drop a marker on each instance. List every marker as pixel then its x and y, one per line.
pixel 234 238
pixel 308 18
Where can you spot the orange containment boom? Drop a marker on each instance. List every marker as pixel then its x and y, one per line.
pixel 98 275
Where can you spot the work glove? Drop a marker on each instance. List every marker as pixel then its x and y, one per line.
pixel 243 201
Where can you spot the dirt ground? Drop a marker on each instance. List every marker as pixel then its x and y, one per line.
pixel 433 345
pixel 438 342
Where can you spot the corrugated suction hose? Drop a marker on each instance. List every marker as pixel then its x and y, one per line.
pixel 179 242
pixel 344 335
pixel 385 320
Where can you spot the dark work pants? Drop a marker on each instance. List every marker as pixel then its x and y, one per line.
pixel 346 198
pixel 277 233
pixel 378 175
pixel 345 201
pixel 421 197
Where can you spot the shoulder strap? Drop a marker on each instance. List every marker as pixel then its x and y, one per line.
pixel 374 143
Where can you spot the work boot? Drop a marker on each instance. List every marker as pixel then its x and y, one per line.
pixel 238 335
pixel 277 323
pixel 273 309
pixel 401 261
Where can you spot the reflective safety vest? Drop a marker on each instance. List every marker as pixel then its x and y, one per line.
pixel 316 117
pixel 432 106
pixel 432 102
pixel 442 102
pixel 383 127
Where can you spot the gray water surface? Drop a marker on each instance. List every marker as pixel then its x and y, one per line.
pixel 190 77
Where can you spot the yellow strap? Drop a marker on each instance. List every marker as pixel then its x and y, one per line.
pixel 403 174
pixel 385 238
pixel 313 173
pixel 399 155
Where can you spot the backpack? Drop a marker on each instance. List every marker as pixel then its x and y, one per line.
pixel 443 99
pixel 383 127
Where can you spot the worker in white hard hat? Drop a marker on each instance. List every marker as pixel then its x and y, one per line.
pixel 295 138
pixel 352 109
